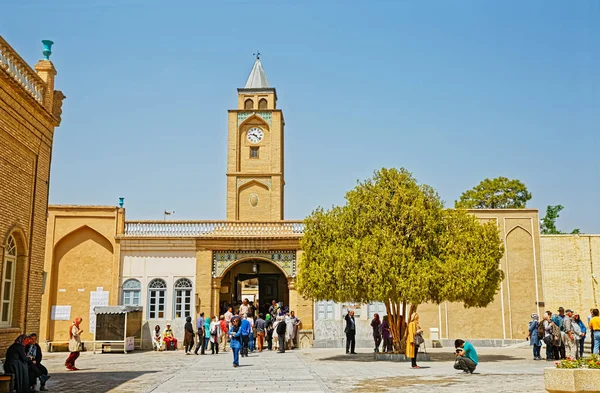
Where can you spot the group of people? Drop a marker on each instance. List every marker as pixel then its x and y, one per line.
pixel 564 334
pixel 242 326
pixel 24 361
pixel 466 356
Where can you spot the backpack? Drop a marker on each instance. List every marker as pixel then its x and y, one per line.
pixel 541 331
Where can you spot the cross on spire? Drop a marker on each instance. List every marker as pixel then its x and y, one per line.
pixel 257 54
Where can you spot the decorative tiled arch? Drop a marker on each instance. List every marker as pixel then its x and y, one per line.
pixel 223 260
pixel 266 116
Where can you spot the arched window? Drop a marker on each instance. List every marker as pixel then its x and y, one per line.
pixel 131 292
pixel 157 293
pixel 248 104
pixel 183 298
pixel 262 104
pixel 9 268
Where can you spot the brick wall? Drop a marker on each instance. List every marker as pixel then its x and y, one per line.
pixel 571 270
pixel 26 133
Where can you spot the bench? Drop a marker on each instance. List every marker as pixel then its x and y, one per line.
pixel 7 383
pixel 61 346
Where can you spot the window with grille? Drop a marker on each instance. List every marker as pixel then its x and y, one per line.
pixel 325 310
pixel 254 152
pixel 131 292
pixel 183 298
pixel 8 281
pixel 376 308
pixel 157 294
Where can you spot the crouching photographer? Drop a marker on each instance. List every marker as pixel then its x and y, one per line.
pixel 466 357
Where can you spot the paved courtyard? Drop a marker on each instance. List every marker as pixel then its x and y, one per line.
pixel 315 370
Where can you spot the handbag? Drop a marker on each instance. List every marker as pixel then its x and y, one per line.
pixel 548 340
pixel 419 339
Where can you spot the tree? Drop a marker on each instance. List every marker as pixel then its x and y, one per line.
pixel 394 242
pixel 498 193
pixel 549 221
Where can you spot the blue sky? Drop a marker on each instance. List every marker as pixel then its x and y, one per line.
pixel 454 91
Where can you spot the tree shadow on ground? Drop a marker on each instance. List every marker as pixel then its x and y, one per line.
pixel 92 382
pixel 435 357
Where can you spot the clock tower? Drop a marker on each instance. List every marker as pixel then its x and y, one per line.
pixel 255 152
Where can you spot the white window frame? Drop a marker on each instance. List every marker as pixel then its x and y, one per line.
pixel 182 297
pixel 129 291
pixel 327 308
pixel 157 289
pixel 10 255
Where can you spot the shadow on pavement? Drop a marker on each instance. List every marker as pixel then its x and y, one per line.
pixel 435 357
pixel 92 381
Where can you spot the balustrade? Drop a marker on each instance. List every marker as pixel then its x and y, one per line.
pixel 212 228
pixel 21 72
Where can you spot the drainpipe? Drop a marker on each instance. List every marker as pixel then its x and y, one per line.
pixel 31 222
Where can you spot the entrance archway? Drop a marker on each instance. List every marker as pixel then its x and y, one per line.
pixel 258 280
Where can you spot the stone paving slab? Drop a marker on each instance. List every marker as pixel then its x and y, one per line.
pixel 501 370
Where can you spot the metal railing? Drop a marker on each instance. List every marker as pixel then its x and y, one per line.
pixel 21 72
pixel 213 228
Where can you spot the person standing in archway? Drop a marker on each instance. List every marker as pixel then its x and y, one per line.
pixel 350 331
pixel 269 331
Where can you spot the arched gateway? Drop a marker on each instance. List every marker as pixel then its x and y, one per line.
pixel 259 276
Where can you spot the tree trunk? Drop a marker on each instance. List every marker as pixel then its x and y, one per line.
pixel 397 324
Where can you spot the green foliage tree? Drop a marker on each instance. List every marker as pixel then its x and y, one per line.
pixel 394 242
pixel 549 221
pixel 498 193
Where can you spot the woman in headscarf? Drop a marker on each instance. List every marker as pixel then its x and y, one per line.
pixel 157 339
pixel 269 331
pixel 235 343
pixel 207 321
pixel 215 335
pixel 533 336
pixel 169 338
pixel 289 330
pixel 17 363
pixel 411 348
pixel 188 338
pixel 74 343
pixel 385 334
pixel 376 325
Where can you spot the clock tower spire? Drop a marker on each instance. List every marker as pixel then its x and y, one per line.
pixel 255 152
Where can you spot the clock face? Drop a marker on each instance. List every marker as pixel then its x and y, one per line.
pixel 255 135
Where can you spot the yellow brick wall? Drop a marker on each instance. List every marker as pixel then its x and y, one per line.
pixel 569 263
pixel 26 136
pixel 81 250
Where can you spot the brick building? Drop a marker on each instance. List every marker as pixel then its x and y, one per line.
pixel 30 109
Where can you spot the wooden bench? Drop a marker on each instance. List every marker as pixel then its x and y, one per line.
pixel 7 383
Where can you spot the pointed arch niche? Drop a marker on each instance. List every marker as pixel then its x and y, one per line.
pixel 254 201
pixel 82 262
pixel 244 163
pixel 519 269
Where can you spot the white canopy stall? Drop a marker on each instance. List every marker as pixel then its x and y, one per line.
pixel 118 327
